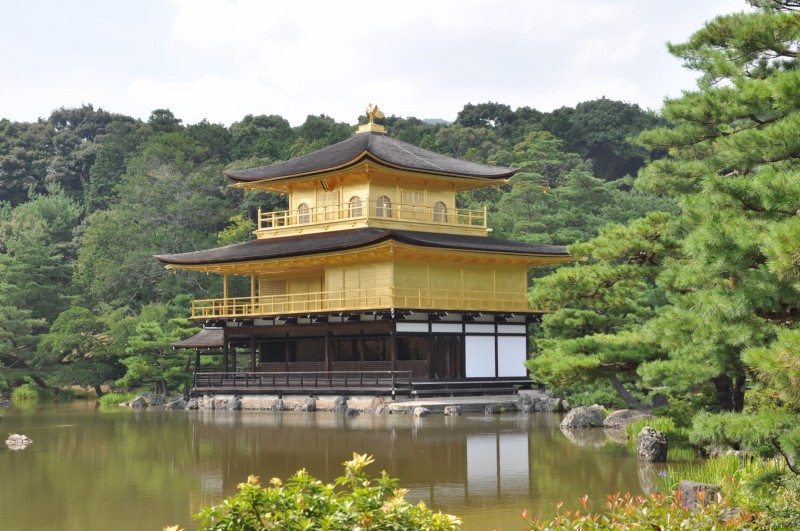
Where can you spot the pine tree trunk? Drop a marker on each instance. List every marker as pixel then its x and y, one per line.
pixel 626 396
pixel 98 391
pixel 730 393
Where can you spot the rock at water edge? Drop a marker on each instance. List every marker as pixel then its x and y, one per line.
pixel 584 417
pixel 651 446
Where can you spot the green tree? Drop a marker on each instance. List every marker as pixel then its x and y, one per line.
pixel 36 254
pixel 19 335
pixel 80 349
pixel 169 201
pixel 149 357
pixel 267 137
pixel 602 304
pixel 733 156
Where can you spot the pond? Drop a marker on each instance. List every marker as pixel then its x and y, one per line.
pixel 133 470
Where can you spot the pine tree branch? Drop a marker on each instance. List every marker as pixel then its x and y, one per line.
pixel 785 457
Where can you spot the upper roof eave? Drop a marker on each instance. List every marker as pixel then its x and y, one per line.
pixel 378 147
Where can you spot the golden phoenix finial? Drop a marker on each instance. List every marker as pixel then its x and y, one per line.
pixel 373 112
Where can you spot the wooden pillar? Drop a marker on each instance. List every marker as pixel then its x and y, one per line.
pixel 431 347
pixel 225 286
pixel 328 352
pixel 252 351
pixel 225 353
pixel 253 293
pixel 393 346
pixel 196 360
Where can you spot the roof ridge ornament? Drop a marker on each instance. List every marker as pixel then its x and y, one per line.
pixel 373 112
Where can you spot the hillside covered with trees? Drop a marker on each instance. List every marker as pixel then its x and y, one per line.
pixel 88 197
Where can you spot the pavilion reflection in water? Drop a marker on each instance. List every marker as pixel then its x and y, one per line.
pixel 451 463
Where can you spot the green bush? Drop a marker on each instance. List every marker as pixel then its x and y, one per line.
pixel 114 399
pixel 31 391
pixel 353 501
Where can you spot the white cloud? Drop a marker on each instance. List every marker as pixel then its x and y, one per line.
pixel 223 59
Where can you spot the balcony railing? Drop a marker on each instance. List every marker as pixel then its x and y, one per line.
pixel 360 300
pixel 369 209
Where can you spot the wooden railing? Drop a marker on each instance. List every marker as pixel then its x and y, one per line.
pixel 386 382
pixel 367 208
pixel 363 299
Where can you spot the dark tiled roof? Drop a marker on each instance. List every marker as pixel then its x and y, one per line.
pixel 372 146
pixel 271 248
pixel 206 338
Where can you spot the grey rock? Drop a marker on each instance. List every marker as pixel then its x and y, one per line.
pixel 352 412
pixel 452 411
pixel 139 402
pixel 277 405
pixel 552 405
pixel 193 403
pixel 154 399
pixel 651 446
pixel 5 403
pixel 495 409
pixel 309 404
pixel 207 402
pixel 697 495
pixel 584 417
pixel 340 404
pixel 234 404
pixel 177 404
pixel 18 442
pixel 527 408
pixel 524 399
pixel 375 405
pixel 623 417
pixel 421 412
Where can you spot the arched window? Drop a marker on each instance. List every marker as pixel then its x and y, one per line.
pixel 303 215
pixel 383 207
pixel 355 207
pixel 439 212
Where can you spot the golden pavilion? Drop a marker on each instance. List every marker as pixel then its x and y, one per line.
pixel 372 281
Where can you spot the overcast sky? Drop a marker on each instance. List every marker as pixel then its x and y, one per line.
pixel 223 59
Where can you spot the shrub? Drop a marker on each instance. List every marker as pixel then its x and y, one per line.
pixel 353 501
pixel 656 511
pixel 31 391
pixel 114 399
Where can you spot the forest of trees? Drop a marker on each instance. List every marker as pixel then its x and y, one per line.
pixel 687 219
pixel 88 197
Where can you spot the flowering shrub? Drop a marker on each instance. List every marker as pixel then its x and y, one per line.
pixel 647 512
pixel 352 502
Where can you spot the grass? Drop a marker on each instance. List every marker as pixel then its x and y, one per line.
pixel 114 399
pixel 31 392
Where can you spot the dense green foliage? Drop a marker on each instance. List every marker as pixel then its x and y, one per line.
pixel 87 197
pixel 352 501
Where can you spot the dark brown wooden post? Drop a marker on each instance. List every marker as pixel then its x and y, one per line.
pixel 328 335
pixel 252 350
pixel 393 346
pixel 225 354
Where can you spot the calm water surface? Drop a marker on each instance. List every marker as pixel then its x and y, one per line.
pixel 137 470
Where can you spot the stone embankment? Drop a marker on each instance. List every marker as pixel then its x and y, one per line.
pixel 526 401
